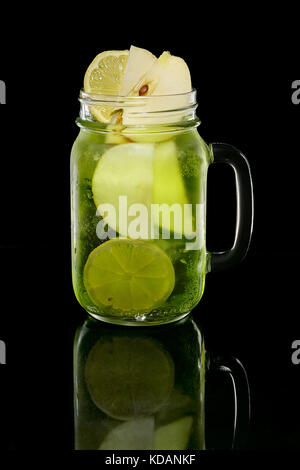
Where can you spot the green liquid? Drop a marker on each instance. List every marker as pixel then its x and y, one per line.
pixel 189 265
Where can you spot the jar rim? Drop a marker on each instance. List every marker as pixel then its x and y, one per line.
pixel 139 110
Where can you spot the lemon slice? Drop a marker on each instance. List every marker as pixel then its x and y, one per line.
pixel 104 76
pixel 128 275
pixel 129 377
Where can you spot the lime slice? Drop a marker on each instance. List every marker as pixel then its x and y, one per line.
pixel 128 275
pixel 132 435
pixel 124 170
pixel 104 76
pixel 174 436
pixel 128 377
pixel 169 189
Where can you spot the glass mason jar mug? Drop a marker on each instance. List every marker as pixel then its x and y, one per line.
pixel 138 196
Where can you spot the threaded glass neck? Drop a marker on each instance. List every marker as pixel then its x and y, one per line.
pixel 101 112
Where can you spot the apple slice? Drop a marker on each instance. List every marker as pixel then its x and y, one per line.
pixel 174 436
pixel 168 189
pixel 138 63
pixel 132 435
pixel 169 75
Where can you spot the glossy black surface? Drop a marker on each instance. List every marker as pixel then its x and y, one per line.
pixel 243 71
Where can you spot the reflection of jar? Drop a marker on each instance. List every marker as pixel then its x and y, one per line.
pixel 139 209
pixel 139 389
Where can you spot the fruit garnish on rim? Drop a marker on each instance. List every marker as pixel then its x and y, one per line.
pixel 104 77
pixel 136 72
pixel 169 75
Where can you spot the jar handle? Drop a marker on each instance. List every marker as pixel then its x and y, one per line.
pixel 225 153
pixel 241 392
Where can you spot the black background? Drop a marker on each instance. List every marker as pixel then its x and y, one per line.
pixel 243 70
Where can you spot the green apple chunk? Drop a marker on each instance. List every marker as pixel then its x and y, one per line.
pixel 131 435
pixel 174 436
pixel 169 189
pixel 124 170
